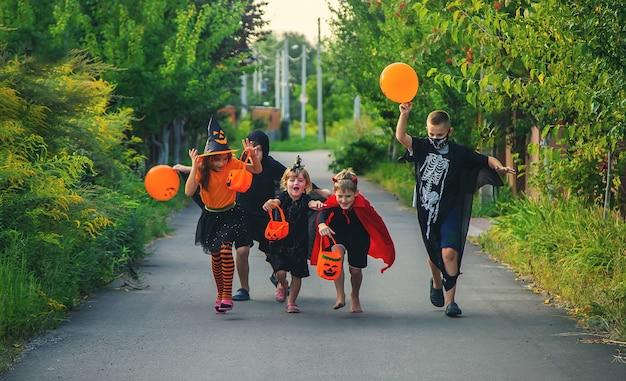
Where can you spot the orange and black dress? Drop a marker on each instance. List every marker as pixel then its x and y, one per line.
pixel 222 218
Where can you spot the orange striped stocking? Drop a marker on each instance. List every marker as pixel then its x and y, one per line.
pixel 216 266
pixel 228 270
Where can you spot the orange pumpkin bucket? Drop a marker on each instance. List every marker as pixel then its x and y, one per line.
pixel 329 263
pixel 275 229
pixel 240 180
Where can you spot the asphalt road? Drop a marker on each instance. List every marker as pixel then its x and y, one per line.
pixel 167 330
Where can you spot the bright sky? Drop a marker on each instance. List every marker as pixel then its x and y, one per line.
pixel 299 16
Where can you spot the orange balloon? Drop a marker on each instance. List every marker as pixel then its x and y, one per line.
pixel 399 82
pixel 162 182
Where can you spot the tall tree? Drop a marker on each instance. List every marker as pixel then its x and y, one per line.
pixel 178 60
pixel 556 65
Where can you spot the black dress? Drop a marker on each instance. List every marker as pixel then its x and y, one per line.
pixel 291 253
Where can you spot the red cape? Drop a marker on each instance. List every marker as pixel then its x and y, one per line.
pixel 381 244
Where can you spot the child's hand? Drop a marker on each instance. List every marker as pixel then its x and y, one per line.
pixel 193 154
pixel 504 170
pixel 325 229
pixel 181 168
pixel 269 205
pixel 316 205
pixel 405 108
pixel 248 146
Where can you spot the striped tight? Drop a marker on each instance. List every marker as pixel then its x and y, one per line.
pixel 223 266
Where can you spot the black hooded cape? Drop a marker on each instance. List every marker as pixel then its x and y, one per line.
pixel 452 178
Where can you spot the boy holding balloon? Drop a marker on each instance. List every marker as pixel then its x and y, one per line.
pixel 447 175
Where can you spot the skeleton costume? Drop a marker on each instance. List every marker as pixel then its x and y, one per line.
pixel 446 179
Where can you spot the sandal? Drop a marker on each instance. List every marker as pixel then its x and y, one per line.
pixel 218 307
pixel 273 280
pixel 453 310
pixel 275 283
pixel 292 308
pixel 281 295
pixel 226 305
pixel 436 295
pixel 241 294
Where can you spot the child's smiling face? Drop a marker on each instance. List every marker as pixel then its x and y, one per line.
pixel 296 185
pixel 217 162
pixel 345 198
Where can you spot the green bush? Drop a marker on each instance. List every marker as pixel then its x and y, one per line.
pixel 25 308
pixel 361 155
pixel 74 213
pixel 568 249
pixel 397 178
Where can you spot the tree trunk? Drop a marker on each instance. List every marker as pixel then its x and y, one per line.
pixel 162 145
pixel 177 134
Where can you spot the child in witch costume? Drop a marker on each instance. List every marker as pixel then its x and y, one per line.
pixel 290 254
pixel 221 221
pixel 447 176
pixel 358 230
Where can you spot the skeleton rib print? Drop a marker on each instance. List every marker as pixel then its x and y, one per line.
pixel 433 174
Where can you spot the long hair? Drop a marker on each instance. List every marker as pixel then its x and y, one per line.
pixel 204 169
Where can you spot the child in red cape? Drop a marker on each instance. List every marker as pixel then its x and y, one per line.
pixel 358 230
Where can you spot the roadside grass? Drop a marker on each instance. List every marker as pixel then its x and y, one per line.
pixel 298 144
pixel 571 254
pixel 396 178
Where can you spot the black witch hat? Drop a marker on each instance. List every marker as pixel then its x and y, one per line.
pixel 216 143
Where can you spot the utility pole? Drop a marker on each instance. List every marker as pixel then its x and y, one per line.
pixel 277 81
pixel 244 94
pixel 286 117
pixel 320 128
pixel 303 98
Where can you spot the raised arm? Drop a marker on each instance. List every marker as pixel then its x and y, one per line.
pixel 401 135
pixel 192 184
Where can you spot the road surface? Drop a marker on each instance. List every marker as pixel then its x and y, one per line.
pixel 167 330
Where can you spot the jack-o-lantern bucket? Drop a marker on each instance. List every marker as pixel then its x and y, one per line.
pixel 329 263
pixel 276 230
pixel 240 180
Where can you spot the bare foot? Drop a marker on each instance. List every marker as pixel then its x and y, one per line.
pixel 355 305
pixel 340 303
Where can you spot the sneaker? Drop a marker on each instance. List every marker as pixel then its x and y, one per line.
pixel 453 310
pixel 436 295
pixel 241 295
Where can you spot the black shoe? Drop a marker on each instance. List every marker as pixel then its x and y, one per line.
pixel 273 280
pixel 453 310
pixel 241 295
pixel 436 295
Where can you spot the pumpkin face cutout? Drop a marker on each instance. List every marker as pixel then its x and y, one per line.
pixel 162 182
pixel 276 230
pixel 240 180
pixel 329 263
